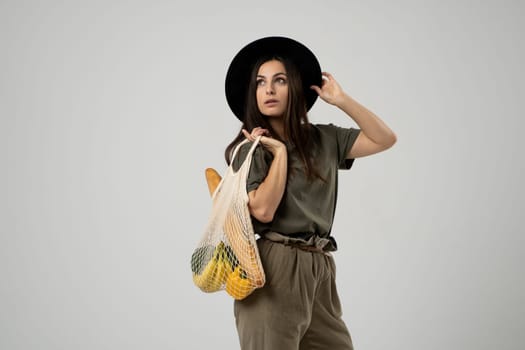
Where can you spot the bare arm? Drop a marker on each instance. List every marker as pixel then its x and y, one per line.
pixel 375 135
pixel 264 201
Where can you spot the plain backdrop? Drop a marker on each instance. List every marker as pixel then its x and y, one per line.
pixel 111 110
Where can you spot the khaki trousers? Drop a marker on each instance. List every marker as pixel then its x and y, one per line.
pixel 298 308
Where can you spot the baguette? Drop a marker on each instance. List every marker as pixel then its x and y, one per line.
pixel 213 179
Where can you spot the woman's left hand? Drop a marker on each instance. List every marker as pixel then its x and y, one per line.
pixel 330 91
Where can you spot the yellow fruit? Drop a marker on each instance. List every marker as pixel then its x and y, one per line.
pixel 213 275
pixel 237 285
pixel 204 280
pixel 221 273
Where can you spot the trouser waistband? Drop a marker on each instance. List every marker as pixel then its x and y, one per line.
pixel 314 244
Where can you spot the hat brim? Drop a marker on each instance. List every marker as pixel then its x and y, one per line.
pixel 238 75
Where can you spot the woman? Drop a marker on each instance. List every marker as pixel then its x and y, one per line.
pixel 292 189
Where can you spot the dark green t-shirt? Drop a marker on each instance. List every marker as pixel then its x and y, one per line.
pixel 307 208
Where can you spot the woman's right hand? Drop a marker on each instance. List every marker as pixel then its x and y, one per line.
pixel 273 145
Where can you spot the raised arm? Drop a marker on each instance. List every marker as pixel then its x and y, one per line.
pixel 264 200
pixel 375 135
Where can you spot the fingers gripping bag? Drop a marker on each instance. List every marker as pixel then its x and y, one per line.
pixel 227 258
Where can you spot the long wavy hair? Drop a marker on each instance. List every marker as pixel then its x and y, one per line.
pixel 296 123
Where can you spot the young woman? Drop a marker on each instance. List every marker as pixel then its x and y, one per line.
pixel 292 189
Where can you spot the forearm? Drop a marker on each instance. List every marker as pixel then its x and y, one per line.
pixel 263 201
pixel 370 124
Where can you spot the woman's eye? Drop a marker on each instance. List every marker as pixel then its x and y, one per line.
pixel 260 82
pixel 281 80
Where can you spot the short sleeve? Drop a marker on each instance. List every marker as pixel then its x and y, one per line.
pixel 261 161
pixel 345 140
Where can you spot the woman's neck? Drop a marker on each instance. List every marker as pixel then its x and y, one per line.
pixel 278 126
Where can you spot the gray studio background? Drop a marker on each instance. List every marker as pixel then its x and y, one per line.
pixel 111 111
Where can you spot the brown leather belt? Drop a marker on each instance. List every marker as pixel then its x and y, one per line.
pixel 308 248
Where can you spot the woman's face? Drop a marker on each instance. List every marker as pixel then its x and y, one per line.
pixel 272 89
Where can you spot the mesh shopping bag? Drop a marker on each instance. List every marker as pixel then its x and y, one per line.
pixel 226 258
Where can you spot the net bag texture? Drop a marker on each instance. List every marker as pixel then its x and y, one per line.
pixel 227 258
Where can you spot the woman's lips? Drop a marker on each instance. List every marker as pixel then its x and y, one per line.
pixel 271 102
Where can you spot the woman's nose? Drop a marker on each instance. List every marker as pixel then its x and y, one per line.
pixel 269 89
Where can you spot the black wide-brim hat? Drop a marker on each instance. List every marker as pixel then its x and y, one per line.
pixel 241 67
